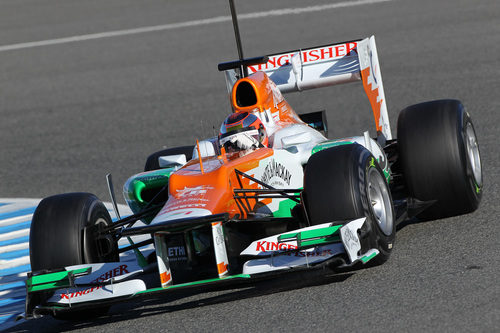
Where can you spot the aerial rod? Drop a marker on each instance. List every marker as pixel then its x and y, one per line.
pixel 243 69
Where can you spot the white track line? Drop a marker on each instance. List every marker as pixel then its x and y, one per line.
pixel 218 19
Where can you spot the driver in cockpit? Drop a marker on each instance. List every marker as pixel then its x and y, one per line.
pixel 242 131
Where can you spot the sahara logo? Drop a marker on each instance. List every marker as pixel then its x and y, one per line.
pixel 276 170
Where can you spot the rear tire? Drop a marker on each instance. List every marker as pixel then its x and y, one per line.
pixel 59 237
pixel 346 183
pixel 152 162
pixel 440 158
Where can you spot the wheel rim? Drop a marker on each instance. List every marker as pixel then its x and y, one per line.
pixel 380 201
pixel 103 244
pixel 473 154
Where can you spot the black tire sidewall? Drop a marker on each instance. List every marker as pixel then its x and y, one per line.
pixel 57 231
pixel 336 188
pixel 97 213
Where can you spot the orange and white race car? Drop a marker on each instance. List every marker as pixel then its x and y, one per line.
pixel 270 194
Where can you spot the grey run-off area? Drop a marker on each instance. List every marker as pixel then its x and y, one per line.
pixel 72 112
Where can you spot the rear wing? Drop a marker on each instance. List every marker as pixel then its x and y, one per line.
pixel 323 66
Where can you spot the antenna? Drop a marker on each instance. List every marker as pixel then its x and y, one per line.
pixel 243 69
pixel 242 63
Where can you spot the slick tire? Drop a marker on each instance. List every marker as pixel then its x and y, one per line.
pixel 152 162
pixel 63 233
pixel 440 158
pixel 344 183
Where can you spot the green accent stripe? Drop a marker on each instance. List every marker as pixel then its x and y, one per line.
pixel 196 283
pixel 365 259
pixel 285 208
pixel 315 233
pixel 50 286
pixel 138 254
pixel 329 144
pixel 326 240
pixel 313 237
pixel 54 280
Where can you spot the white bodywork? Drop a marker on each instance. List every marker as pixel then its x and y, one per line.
pixel 298 139
pixel 281 255
pixel 172 160
pixel 101 273
pixel 371 145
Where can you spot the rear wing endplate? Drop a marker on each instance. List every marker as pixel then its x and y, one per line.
pixel 328 65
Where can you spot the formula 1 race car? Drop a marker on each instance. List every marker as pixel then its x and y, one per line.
pixel 270 194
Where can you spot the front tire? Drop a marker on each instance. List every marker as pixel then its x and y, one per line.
pixel 345 183
pixel 64 233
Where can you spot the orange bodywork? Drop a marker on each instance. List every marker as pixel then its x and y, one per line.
pixel 208 183
pixel 212 189
pixel 269 102
pixel 373 97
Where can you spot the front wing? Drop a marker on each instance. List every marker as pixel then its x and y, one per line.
pixel 80 287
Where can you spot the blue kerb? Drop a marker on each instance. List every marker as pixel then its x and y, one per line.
pixel 15 270
pixel 14 254
pixel 15 227
pixel 10 301
pixel 19 240
pixel 4 319
pixel 12 285
pixel 16 213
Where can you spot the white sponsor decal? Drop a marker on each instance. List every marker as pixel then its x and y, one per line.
pixel 350 239
pixel 176 253
pixel 268 245
pixel 276 173
pixel 101 273
pixel 308 56
pixel 192 191
pixel 80 295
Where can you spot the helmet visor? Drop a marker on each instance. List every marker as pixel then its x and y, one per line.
pixel 240 140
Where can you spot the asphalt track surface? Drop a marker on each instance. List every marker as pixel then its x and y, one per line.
pixel 70 113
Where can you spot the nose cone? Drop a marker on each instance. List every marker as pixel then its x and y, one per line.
pixel 193 193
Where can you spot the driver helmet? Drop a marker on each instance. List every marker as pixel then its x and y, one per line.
pixel 242 131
